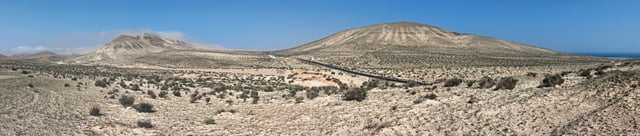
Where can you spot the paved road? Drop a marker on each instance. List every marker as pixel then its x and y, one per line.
pixel 359 73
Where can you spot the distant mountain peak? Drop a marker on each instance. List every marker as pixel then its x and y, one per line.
pixel 405 24
pixel 396 36
pixel 44 53
pixel 127 46
pixel 124 38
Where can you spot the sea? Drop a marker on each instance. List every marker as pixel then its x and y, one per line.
pixel 614 55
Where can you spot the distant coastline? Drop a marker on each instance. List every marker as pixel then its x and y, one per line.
pixel 613 55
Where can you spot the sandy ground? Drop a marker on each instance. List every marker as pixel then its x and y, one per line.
pixel 52 109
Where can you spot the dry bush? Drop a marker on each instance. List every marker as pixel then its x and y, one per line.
pixel 95 111
pixel 452 82
pixel 584 72
pixel 506 83
pixel 486 82
pixel 127 100
pixel 144 124
pixel 551 80
pixel 313 93
pixel 163 94
pixel 226 110
pixel 209 121
pixel 152 94
pixel 357 94
pixel 144 107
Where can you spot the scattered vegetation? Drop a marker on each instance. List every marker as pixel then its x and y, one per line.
pixel 430 96
pixel 551 80
pixel 486 82
pixel 452 82
pixel 506 83
pixel 177 93
pixel 531 74
pixel 152 94
pixel 127 101
pixel 313 93
pixel 226 110
pixel 95 111
pixel 144 124
pixel 584 72
pixel 144 107
pixel 101 83
pixel 163 94
pixel 255 97
pixel 355 94
pixel 209 121
pixel 135 87
pixel 299 99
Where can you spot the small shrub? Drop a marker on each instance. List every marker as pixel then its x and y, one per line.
pixel 531 74
pixel 144 124
pixel 565 73
pixel 25 72
pixel 95 111
pixel 452 82
pixel 209 121
pixel 127 101
pixel 486 82
pixel 229 102
pixel 584 72
pixel 357 94
pixel 152 94
pixel 313 93
pixel 299 99
pixel 599 72
pixel 226 110
pixel 67 85
pixel 207 99
pixel 268 89
pixel 255 97
pixel 135 87
pixel 144 107
pixel 551 80
pixel 101 83
pixel 177 93
pixel 30 85
pixel 470 83
pixel 430 96
pixel 506 83
pixel 163 94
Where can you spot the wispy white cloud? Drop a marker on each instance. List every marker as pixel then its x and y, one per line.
pixel 81 43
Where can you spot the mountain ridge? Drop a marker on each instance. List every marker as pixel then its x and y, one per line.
pixel 409 44
pixel 404 34
pixel 128 47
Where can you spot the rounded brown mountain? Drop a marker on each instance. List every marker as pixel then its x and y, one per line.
pixel 407 44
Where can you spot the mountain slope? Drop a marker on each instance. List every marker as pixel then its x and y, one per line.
pixel 147 50
pixel 403 44
pixel 42 56
pixel 127 47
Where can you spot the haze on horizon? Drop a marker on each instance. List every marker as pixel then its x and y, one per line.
pixel 74 26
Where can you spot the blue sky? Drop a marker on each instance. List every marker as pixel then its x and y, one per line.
pixel 68 26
